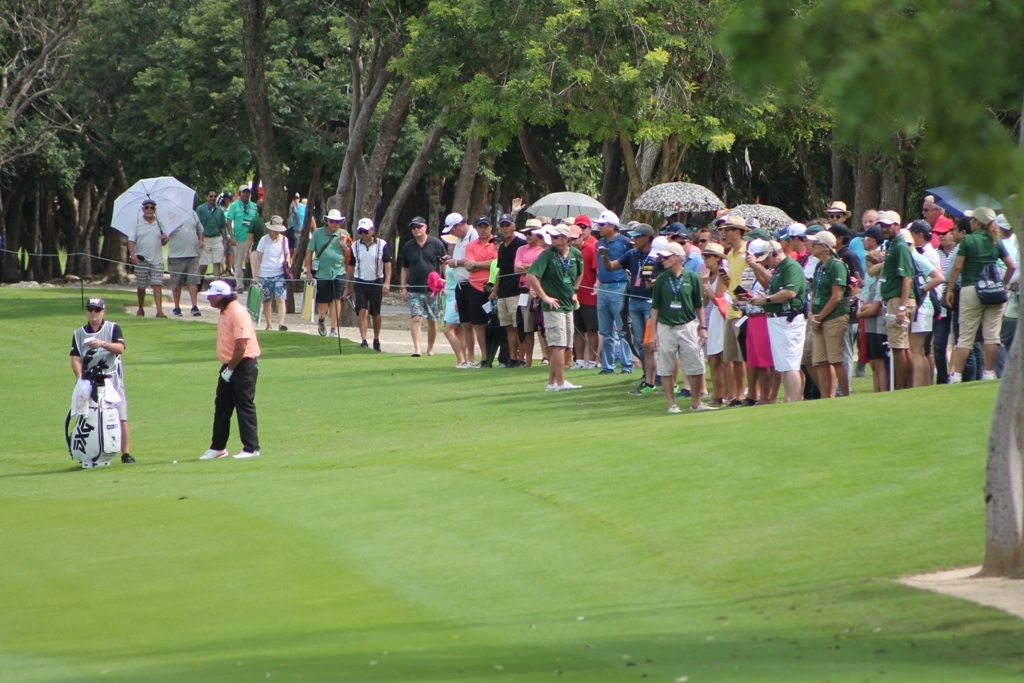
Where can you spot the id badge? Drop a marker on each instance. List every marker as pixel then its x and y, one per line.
pixel 567 280
pixel 315 264
pixel 246 223
pixel 676 304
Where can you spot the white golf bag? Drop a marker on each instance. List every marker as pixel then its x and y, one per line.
pixel 95 437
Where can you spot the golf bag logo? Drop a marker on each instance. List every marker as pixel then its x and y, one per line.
pixel 83 431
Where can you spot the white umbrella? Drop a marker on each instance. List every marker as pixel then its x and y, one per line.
pixel 566 204
pixel 174 205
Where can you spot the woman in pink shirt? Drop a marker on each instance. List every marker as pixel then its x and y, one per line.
pixel 524 259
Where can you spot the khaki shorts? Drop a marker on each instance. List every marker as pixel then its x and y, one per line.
pixel 975 315
pixel 732 352
pixel 558 328
pixel 899 335
pixel 213 251
pixel 184 271
pixel 682 342
pixel 830 340
pixel 507 310
pixel 808 355
pixel 529 317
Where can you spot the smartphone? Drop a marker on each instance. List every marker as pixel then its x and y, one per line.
pixel 722 270
pixel 739 290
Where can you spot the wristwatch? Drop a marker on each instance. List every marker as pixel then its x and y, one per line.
pixel 901 309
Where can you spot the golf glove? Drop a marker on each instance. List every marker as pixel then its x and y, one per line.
pixel 226 373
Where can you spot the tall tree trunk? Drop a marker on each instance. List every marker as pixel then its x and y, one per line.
pixel 412 177
pixel 639 168
pixel 367 91
pixel 842 178
pixel 629 160
pixel 894 186
pixel 672 154
pixel 807 167
pixel 303 244
pixel 542 167
pixel 467 174
pixel 866 185
pixel 390 128
pixel 435 186
pixel 257 105
pixel 13 223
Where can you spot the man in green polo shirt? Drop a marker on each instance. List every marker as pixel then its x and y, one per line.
pixel 784 304
pixel 895 290
pixel 242 213
pixel 215 233
pixel 554 277
pixel 830 316
pixel 325 262
pixel 678 332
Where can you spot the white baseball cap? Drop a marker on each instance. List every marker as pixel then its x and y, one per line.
pixel 607 218
pixel 760 249
pixel 450 221
pixel 364 224
pixel 217 288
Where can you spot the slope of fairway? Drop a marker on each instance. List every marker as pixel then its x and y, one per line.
pixel 410 522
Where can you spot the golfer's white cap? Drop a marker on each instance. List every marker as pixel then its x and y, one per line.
pixel 244 188
pixel 217 288
pixel 607 218
pixel 451 220
pixel 364 224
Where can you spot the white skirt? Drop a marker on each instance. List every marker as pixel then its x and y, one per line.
pixel 924 320
pixel 716 332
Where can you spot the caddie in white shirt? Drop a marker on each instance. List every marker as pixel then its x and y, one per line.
pixel 368 274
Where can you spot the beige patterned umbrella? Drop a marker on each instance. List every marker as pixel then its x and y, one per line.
pixel 769 216
pixel 678 197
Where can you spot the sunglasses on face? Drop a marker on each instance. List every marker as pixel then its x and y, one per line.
pixel 149 206
pixel 93 309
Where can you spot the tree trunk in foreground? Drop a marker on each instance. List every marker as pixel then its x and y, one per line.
pixel 1004 487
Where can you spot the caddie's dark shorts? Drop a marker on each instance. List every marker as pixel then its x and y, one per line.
pixel 328 290
pixel 368 296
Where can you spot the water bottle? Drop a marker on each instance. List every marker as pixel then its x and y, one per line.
pixel 891 318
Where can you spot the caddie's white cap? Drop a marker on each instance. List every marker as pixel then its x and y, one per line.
pixel 607 218
pixel 364 224
pixel 217 288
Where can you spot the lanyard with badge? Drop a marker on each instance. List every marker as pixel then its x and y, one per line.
pixel 566 266
pixel 675 285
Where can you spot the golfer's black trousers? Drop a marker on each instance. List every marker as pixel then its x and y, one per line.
pixel 236 396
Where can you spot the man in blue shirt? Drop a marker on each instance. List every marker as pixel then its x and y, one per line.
pixel 611 287
pixel 639 263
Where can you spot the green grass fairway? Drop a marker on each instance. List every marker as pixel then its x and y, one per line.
pixel 408 522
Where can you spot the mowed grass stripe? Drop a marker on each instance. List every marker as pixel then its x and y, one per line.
pixel 462 522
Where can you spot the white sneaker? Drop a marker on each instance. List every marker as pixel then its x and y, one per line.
pixel 702 407
pixel 579 365
pixel 464 365
pixel 674 409
pixel 589 364
pixel 472 366
pixel 551 387
pixel 954 378
pixel 213 454
pixel 988 374
pixel 334 332
pixel 568 386
pixel 246 454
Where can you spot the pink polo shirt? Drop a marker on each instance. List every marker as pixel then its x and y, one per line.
pixel 235 323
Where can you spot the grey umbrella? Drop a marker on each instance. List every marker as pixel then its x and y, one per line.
pixel 769 216
pixel 678 197
pixel 565 204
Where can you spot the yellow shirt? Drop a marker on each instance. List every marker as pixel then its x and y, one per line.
pixel 737 260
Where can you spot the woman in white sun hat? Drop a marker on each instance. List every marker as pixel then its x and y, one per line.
pixel 268 264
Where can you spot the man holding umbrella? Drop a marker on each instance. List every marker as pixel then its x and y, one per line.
pixel 146 254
